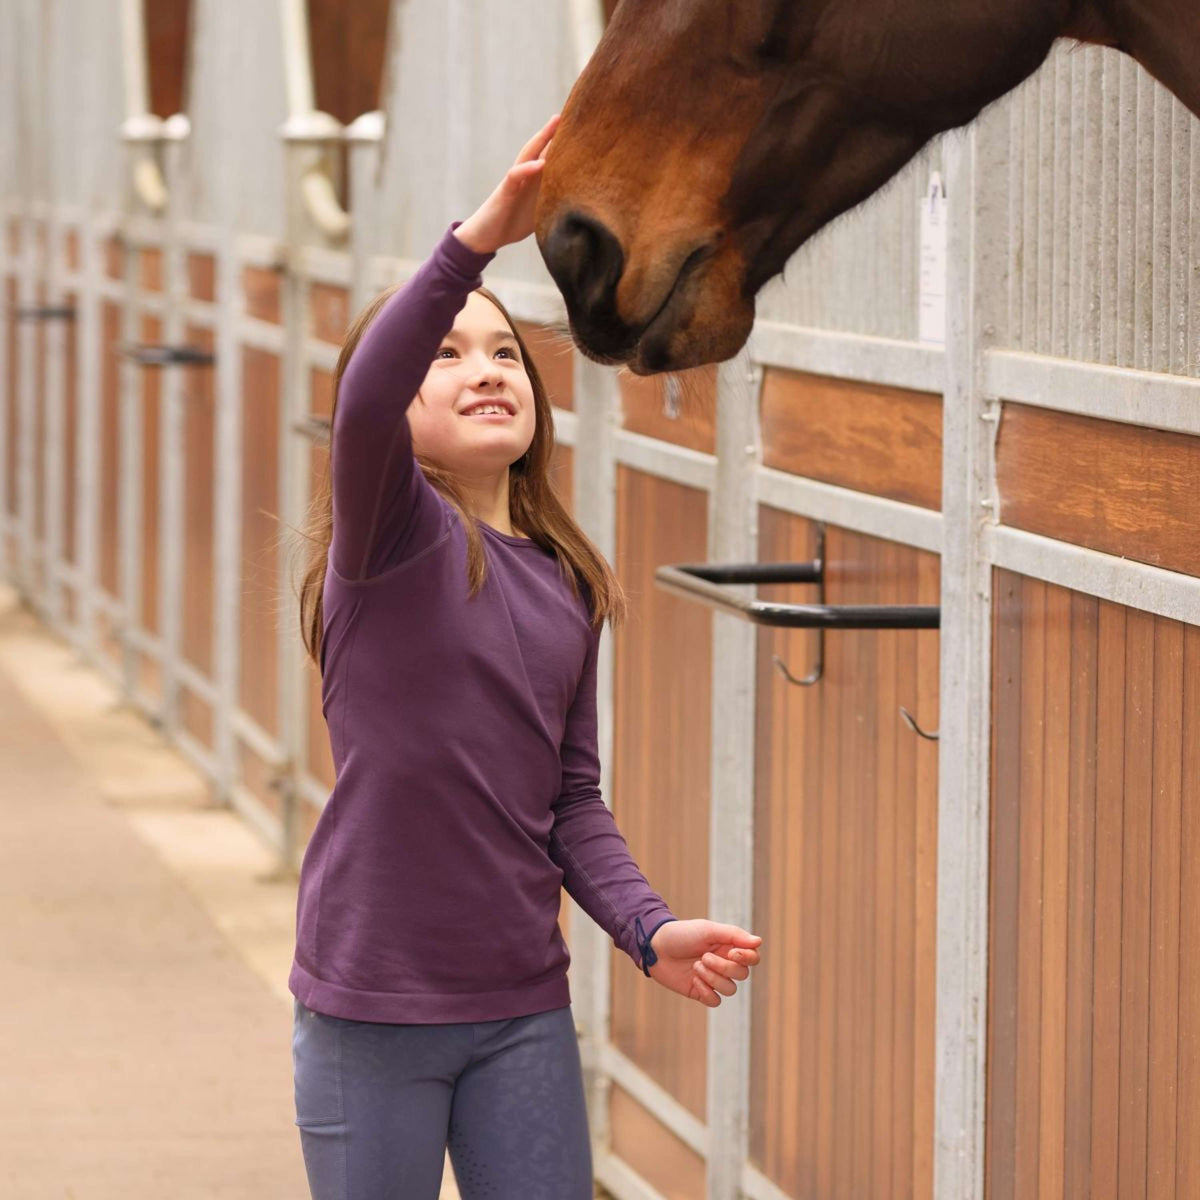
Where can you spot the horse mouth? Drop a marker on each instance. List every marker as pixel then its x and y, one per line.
pixel 653 348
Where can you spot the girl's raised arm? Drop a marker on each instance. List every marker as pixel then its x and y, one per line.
pixel 383 509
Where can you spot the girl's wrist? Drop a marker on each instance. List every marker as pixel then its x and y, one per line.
pixel 470 237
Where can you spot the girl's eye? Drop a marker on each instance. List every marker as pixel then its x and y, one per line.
pixel 444 350
pixel 505 350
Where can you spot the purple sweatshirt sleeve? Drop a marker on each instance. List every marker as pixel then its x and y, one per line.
pixel 585 843
pixel 384 510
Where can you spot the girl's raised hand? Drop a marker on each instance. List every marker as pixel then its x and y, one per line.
pixel 507 214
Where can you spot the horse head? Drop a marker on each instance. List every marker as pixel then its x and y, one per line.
pixel 706 140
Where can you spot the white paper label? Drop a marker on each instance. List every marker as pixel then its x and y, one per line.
pixel 933 263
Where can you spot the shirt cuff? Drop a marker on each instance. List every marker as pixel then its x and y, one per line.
pixel 470 262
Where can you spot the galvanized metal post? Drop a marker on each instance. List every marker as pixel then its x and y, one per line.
pixel 732 537
pixel 88 377
pixel 173 466
pixel 964 746
pixel 53 483
pixel 26 404
pixel 130 464
pixel 598 406
pixel 294 451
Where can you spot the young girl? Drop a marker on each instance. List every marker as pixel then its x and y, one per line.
pixel 455 610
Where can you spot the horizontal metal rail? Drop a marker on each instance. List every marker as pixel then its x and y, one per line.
pixel 705 582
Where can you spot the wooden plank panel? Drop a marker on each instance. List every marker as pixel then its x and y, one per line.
pixel 260 538
pixel 150 269
pixel 883 946
pixel 886 441
pixel 167 28
pixel 110 445
pixel 328 312
pixel 903 1058
pixel 261 288
pixel 1056 765
pixel 199 413
pixel 925 936
pixel 1187 1174
pixel 151 397
pixel 672 1168
pixel 661 762
pixel 1118 488
pixel 1165 834
pixel 682 412
pixel 1106 1004
pixel 1135 906
pixel 1029 929
pixel 1081 897
pixel 553 354
pixel 202 276
pixel 1007 662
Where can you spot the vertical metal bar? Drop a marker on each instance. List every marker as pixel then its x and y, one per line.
pixel 129 463
pixel 88 375
pixel 26 405
pixel 732 537
pixel 598 405
pixel 7 399
pixel 53 483
pixel 227 509
pixel 172 462
pixel 964 745
pixel 293 494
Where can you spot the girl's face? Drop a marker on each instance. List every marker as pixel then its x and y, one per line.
pixel 478 364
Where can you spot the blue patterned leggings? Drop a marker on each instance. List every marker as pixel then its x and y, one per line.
pixel 378 1104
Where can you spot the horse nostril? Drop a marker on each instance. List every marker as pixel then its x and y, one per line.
pixel 586 262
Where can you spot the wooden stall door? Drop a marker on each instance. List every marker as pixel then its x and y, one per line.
pixel 1094 1007
pixel 845 870
pixel 661 785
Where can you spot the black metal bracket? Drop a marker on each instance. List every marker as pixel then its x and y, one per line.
pixel 704 583
pixel 45 312
pixel 313 427
pixel 167 356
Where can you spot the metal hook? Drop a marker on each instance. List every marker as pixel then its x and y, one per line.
pixel 911 722
pixel 814 676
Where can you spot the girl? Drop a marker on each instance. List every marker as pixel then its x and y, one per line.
pixel 455 610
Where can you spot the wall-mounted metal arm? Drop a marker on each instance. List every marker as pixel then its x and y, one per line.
pixel 696 582
pixel 45 312
pixel 315 428
pixel 167 356
pixel 705 582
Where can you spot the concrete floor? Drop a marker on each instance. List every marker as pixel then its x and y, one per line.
pixel 145 1021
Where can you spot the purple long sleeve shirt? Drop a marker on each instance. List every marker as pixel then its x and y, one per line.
pixel 463 731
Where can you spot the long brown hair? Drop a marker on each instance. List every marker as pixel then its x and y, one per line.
pixel 533 504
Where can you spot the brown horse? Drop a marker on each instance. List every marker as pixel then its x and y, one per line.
pixel 708 139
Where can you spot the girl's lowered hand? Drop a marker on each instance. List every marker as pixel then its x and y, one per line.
pixel 507 214
pixel 699 959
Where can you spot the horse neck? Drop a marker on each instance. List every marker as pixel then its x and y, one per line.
pixel 1151 32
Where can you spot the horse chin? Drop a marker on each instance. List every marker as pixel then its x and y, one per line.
pixel 707 320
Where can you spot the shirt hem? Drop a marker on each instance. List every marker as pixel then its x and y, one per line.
pixel 426 1008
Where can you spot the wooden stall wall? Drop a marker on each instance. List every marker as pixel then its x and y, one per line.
pixel 661 767
pixel 1094 1036
pixel 146 612
pixel 263 591
pixel 842 1056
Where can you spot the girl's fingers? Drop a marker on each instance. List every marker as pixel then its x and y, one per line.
pixel 722 966
pixel 717 982
pixel 539 141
